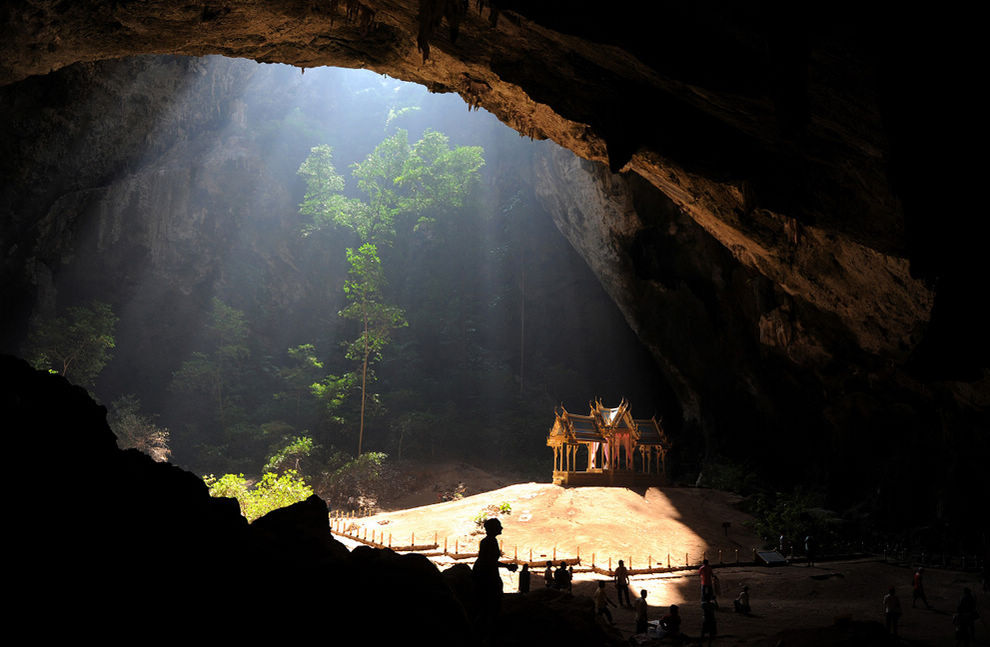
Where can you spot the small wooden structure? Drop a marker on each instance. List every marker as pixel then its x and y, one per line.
pixel 607 447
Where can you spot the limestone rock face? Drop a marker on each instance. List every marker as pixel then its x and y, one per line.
pixel 810 262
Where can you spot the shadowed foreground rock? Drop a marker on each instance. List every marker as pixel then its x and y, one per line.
pixel 110 544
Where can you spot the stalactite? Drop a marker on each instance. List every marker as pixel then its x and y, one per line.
pixel 432 12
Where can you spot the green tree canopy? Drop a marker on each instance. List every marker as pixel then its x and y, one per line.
pixel 78 345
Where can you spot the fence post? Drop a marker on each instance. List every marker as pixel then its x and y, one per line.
pixel 555 554
pixel 737 556
pixel 686 562
pixel 720 556
pixel 592 560
pixel 389 540
pixel 668 559
pixel 609 564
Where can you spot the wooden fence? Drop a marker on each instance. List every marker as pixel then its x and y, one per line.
pixel 343 526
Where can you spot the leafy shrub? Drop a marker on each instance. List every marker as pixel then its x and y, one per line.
pixel 135 430
pixel 492 511
pixel 291 453
pixel 356 483
pixel 273 491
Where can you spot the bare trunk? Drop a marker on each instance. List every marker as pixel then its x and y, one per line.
pixel 364 379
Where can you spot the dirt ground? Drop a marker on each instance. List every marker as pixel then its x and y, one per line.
pixel 637 526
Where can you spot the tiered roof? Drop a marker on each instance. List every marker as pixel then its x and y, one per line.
pixel 602 423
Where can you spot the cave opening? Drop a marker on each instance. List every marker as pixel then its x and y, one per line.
pixel 171 189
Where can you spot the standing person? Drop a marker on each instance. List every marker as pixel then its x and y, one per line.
pixel 524 579
pixel 891 611
pixel 548 575
pixel 562 577
pixel 707 581
pixel 487 581
pixel 809 549
pixel 602 602
pixel 622 584
pixel 965 618
pixel 708 625
pixel 918 592
pixel 641 615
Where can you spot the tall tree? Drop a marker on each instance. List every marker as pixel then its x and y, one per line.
pixel 363 288
pixel 212 371
pixel 406 188
pixel 76 346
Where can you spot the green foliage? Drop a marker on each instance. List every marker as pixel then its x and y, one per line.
pixel 794 515
pixel 76 346
pixel 324 201
pixel 364 291
pixel 356 483
pixel 232 486
pixel 291 453
pixel 305 371
pixel 436 177
pixel 213 372
pixel 402 184
pixel 274 491
pixel 138 431
pixel 334 392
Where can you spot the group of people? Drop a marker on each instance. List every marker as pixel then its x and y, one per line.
pixel 560 579
pixel 670 624
pixel 963 621
pixel 489 587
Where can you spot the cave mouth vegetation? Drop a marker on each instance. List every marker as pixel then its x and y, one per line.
pixel 739 224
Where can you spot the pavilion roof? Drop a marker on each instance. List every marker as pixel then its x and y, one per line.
pixel 650 432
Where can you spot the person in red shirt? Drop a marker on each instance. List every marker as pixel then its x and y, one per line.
pixel 707 581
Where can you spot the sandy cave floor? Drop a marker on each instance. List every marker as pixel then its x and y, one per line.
pixel 639 526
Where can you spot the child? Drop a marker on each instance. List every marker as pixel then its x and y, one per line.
pixel 641 624
pixel 741 603
pixel 524 579
pixel 602 602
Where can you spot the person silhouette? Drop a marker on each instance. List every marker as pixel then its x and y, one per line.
pixel 641 613
pixel 891 611
pixel 621 577
pixel 524 579
pixel 488 583
pixel 707 581
pixel 602 602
